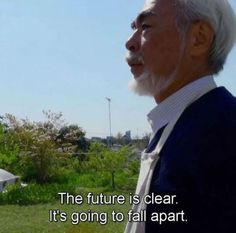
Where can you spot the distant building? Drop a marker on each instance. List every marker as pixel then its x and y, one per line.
pixel 127 137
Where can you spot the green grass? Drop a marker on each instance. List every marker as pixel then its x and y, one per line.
pixel 35 219
pixel 33 193
pixel 27 210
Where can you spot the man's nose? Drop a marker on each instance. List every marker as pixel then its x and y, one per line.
pixel 132 43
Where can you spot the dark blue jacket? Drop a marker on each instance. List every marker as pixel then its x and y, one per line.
pixel 198 164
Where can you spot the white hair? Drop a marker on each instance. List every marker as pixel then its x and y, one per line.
pixel 220 15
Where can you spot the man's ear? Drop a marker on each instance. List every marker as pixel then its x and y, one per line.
pixel 200 36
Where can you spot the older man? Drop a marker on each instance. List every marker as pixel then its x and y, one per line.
pixel 176 48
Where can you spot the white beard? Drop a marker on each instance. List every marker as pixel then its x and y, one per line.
pixel 149 85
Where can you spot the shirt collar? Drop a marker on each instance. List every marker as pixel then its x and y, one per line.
pixel 177 102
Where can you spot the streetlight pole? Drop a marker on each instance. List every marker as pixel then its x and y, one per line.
pixel 109 109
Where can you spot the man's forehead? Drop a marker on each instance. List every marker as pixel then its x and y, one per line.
pixel 156 8
pixel 150 9
pixel 145 14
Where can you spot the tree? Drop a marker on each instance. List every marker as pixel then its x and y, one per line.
pixel 104 159
pixel 119 138
pixel 72 138
pixel 38 154
pixel 9 151
pixel 41 144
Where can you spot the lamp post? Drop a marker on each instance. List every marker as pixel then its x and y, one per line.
pixel 109 109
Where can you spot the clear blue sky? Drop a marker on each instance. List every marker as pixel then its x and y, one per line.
pixel 67 56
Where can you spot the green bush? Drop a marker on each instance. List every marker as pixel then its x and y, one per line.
pixel 64 176
pixel 126 183
pixel 93 180
pixel 34 193
pixel 103 180
pixel 9 151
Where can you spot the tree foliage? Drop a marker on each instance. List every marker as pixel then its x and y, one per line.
pixel 41 145
pixel 72 137
pixel 9 150
pixel 105 159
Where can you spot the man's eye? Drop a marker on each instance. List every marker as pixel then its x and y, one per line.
pixel 133 25
pixel 145 26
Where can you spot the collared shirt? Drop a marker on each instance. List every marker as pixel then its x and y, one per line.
pixel 168 109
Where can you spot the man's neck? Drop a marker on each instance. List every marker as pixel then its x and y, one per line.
pixel 178 84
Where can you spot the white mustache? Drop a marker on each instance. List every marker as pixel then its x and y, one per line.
pixel 134 58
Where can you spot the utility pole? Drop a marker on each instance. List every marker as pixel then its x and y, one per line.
pixel 109 109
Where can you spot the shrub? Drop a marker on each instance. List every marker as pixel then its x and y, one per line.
pixel 9 151
pixel 107 160
pixel 34 193
pixel 39 149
